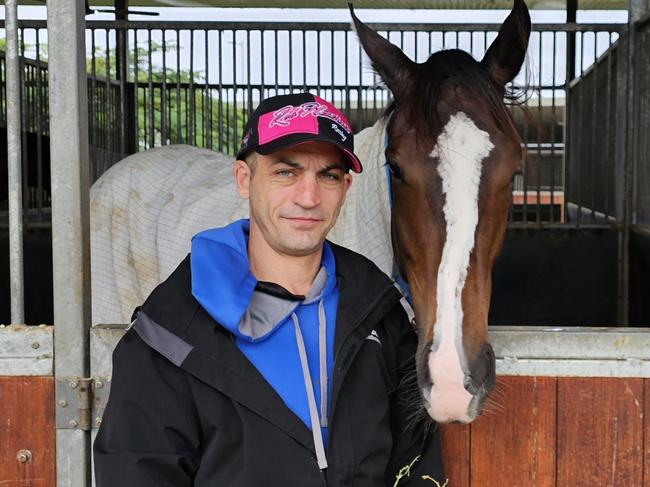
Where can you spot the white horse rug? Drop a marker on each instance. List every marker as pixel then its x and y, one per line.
pixel 146 208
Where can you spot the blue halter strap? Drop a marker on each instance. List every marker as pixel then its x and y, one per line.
pixel 399 280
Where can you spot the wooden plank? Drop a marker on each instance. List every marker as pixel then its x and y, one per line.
pixel 600 432
pixel 646 436
pixel 515 444
pixel 455 451
pixel 27 423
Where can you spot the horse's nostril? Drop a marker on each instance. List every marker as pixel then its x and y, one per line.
pixel 470 384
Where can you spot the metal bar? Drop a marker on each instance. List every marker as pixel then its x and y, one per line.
pixel 263 65
pixel 578 180
pixel 538 207
pixel 347 77
pixel 191 103
pixel 220 106
pixel 122 71
pixel 327 26
pixel 207 110
pixel 360 88
pixel 39 128
pixel 68 102
pixel 304 62
pixel 553 123
pixel 227 118
pixel 151 102
pixel 93 92
pixel 332 65
pixel 136 95
pixel 572 7
pixel 594 117
pixel 275 63
pixel 525 170
pixel 609 156
pixel 164 128
pixel 571 16
pixel 107 87
pixel 290 59
pixel 637 9
pixel 234 92
pixel 318 62
pixel 14 159
pixel 26 86
pixel 249 97
pixel 179 138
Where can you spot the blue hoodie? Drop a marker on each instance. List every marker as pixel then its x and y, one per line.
pixel 269 329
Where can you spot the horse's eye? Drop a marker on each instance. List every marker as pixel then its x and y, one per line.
pixel 395 171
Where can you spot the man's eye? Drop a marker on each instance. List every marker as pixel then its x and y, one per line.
pixel 331 176
pixel 284 172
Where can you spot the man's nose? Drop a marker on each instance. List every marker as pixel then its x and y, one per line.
pixel 307 192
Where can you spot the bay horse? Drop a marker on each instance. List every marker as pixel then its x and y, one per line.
pixel 452 150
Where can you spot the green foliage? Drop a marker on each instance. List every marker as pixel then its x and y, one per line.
pixel 186 111
pixel 208 124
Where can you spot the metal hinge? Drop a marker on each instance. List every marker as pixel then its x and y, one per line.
pixel 80 402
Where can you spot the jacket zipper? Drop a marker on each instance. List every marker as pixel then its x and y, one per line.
pixel 341 361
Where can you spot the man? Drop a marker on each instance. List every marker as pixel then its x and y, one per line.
pixel 271 357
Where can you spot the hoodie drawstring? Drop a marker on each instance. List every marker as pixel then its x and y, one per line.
pixel 322 358
pixel 309 388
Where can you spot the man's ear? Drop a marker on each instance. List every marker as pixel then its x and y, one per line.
pixel 242 173
pixel 347 177
pixel 347 182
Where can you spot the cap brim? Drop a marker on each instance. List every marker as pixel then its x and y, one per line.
pixel 292 140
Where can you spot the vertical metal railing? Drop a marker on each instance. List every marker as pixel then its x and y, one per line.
pixel 592 169
pixel 14 166
pixel 642 125
pixel 157 83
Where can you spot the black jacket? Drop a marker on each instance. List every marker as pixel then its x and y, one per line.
pixel 187 408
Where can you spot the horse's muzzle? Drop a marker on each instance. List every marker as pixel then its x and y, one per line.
pixel 453 391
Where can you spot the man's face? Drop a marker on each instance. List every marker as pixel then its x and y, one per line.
pixel 295 195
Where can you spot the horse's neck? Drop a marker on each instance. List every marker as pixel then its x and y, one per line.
pixel 364 222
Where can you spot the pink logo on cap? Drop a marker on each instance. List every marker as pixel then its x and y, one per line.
pixel 298 119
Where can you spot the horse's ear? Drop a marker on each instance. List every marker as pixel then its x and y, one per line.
pixel 507 53
pixel 394 67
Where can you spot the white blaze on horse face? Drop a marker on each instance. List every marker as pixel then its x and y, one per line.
pixel 460 148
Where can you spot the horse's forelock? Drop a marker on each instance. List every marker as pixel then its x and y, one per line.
pixel 460 68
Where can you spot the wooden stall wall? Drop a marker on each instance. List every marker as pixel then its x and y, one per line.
pixel 539 432
pixel 564 432
pixel 27 423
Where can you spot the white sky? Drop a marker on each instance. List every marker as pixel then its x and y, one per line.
pixel 341 15
pixel 219 57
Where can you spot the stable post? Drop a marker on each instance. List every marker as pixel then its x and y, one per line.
pixel 68 103
pixel 14 169
pixel 636 10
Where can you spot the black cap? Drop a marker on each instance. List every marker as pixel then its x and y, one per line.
pixel 286 120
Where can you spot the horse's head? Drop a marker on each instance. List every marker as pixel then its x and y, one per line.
pixel 453 152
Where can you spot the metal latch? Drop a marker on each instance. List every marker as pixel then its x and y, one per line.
pixel 80 399
pixel 101 389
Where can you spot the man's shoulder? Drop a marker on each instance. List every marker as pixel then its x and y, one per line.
pixel 171 304
pixel 353 264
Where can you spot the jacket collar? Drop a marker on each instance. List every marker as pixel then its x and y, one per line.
pixel 215 359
